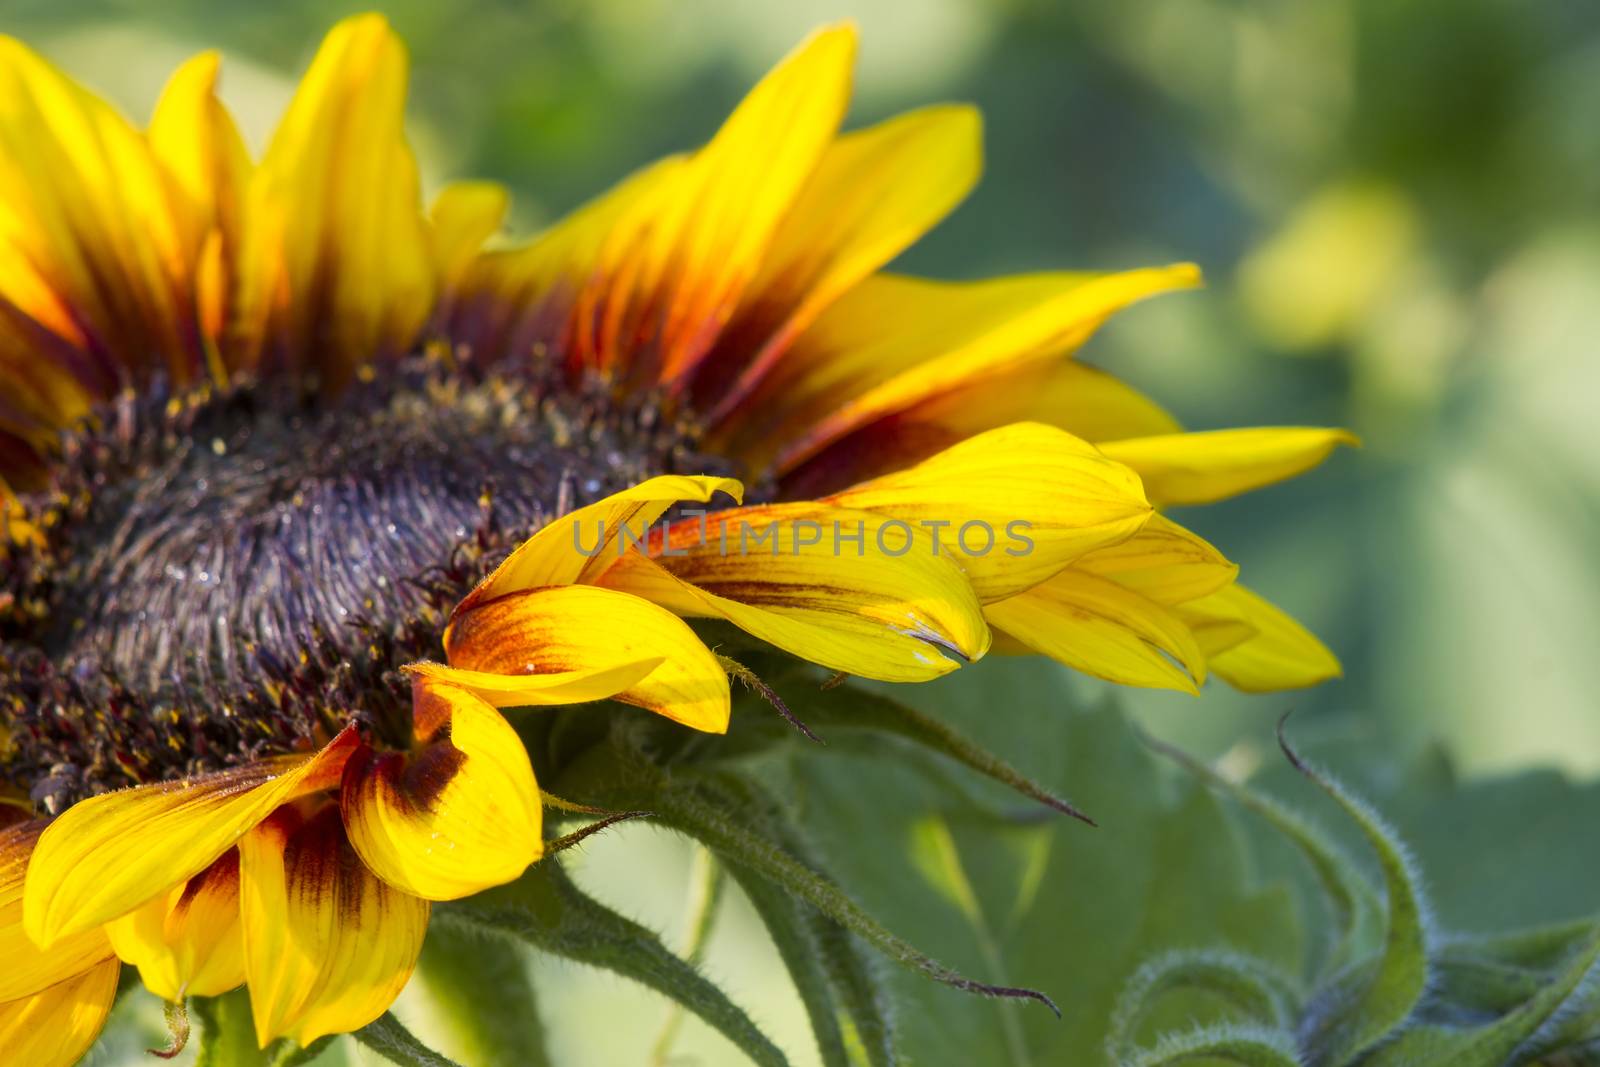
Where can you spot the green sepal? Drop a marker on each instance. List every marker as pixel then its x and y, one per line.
pixel 1368 1003
pixel 1247 985
pixel 1507 1039
pixel 1350 899
pixel 1234 1044
pixel 545 909
pixel 389 1039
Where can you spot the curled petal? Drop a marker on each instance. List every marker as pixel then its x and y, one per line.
pixel 1201 468
pixel 850 590
pixel 1070 498
pixel 1096 626
pixel 28 968
pixel 458 815
pixel 579 545
pixel 327 944
pixel 187 942
pixel 582 628
pixel 1278 652
pixel 55 1027
pixel 107 855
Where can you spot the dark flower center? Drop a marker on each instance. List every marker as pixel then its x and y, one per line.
pixel 232 574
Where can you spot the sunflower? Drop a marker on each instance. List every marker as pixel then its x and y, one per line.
pixel 303 485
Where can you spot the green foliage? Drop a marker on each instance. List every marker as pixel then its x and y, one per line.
pixel 1414 1000
pixel 1155 927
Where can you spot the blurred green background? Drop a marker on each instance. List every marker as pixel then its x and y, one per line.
pixel 1397 207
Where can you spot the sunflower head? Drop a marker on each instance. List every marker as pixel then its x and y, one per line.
pixel 306 487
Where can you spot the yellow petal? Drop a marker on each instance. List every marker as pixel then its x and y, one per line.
pixel 56 1027
pixel 579 545
pixel 1013 506
pixel 1280 654
pixel 187 942
pixel 1096 626
pixel 464 215
pixel 880 604
pixel 107 855
pixel 514 302
pixel 541 690
pixel 195 138
pixel 581 628
pixel 29 969
pixel 658 265
pixel 737 191
pixel 1064 393
pixel 874 193
pixel 327 944
pixel 460 814
pixel 1164 562
pixel 338 262
pixel 93 247
pixel 895 342
pixel 1199 468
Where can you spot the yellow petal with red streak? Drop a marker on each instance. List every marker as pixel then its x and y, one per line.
pixel 877 602
pixel 187 942
pixel 895 342
pixel 109 854
pixel 337 263
pixel 327 944
pixel 581 628
pixel 874 193
pixel 455 816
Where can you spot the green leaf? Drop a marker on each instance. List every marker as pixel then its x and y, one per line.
pixel 1249 987
pixel 1362 1007
pixel 545 909
pixel 395 1043
pixel 489 1008
pixel 1061 907
pixel 1239 1046
pixel 227 1031
pixel 686 809
pixel 852 708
